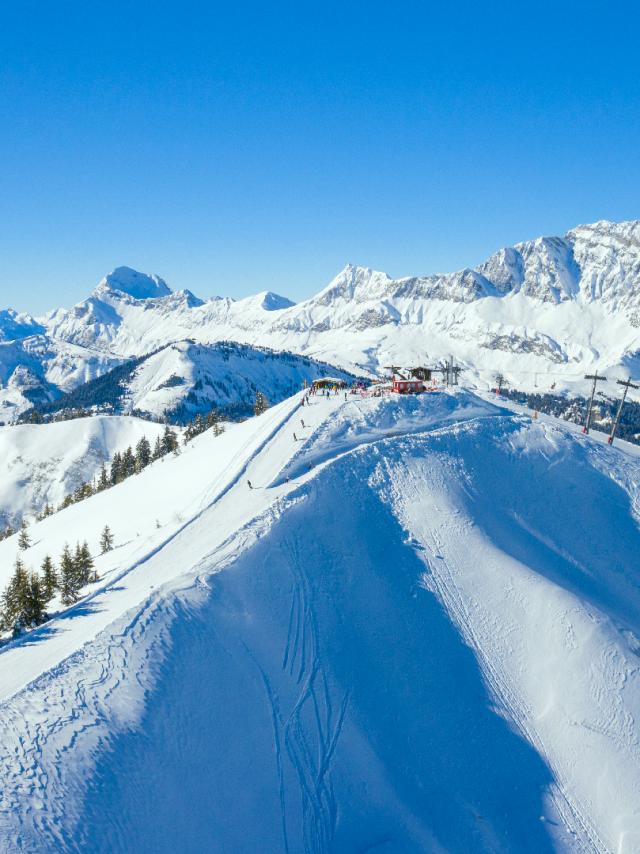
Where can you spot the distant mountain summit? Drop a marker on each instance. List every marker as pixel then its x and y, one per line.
pixel 543 313
pixel 135 284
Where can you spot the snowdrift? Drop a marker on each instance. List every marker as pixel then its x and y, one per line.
pixel 418 631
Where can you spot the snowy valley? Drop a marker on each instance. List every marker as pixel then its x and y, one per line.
pixel 358 624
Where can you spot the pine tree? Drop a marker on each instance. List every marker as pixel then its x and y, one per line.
pixel 106 540
pixel 128 463
pixel 69 587
pixel 84 564
pixel 169 440
pixel 47 510
pixel 77 563
pixel 214 421
pixel 189 433
pixel 143 453
pixel 199 424
pixel 15 596
pixel 49 579
pixel 33 613
pixel 82 491
pixel 103 479
pixel 261 404
pixel 67 501
pixel 157 449
pixel 116 468
pixel 213 418
pixel 24 540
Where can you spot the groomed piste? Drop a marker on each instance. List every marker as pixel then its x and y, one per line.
pixel 417 629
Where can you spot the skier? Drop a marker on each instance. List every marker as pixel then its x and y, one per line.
pixel 249 484
pixel 302 421
pixel 295 438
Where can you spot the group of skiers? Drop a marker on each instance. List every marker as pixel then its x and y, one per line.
pixel 304 401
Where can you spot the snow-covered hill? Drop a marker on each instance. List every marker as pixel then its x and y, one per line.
pixel 185 378
pixel 43 463
pixel 416 632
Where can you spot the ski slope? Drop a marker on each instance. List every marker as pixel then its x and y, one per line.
pixel 417 632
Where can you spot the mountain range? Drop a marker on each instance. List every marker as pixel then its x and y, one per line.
pixel 543 313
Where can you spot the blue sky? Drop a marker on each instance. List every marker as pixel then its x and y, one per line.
pixel 238 147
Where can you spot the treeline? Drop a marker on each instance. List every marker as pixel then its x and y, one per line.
pixel 25 599
pixel 101 393
pixel 202 423
pixel 34 416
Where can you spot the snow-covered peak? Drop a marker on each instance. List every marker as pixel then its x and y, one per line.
pixel 15 325
pixel 274 302
pixel 266 300
pixel 608 254
pixel 137 285
pixel 355 283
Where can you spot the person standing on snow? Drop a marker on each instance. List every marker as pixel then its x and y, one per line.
pixel 249 484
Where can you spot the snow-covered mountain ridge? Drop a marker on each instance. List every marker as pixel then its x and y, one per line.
pixel 542 312
pixel 393 641
pixel 185 378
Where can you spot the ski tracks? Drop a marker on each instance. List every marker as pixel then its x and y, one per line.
pixel 443 535
pixel 54 729
pixel 308 715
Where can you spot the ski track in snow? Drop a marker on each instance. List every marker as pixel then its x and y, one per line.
pixel 56 727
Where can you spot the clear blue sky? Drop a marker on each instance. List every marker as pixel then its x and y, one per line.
pixel 233 147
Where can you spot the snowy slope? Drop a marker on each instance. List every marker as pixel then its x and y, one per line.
pixel 399 640
pixel 42 463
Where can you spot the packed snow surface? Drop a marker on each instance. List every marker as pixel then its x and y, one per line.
pixel 417 631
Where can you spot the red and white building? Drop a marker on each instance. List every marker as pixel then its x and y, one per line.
pixel 407 386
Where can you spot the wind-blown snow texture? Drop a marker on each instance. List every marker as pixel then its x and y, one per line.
pixel 419 631
pixel 543 313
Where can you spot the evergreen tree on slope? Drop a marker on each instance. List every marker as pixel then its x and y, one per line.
pixel 33 613
pixel 143 454
pixel 49 579
pixel 260 404
pixel 24 540
pixel 106 540
pixel 15 596
pixel 69 586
